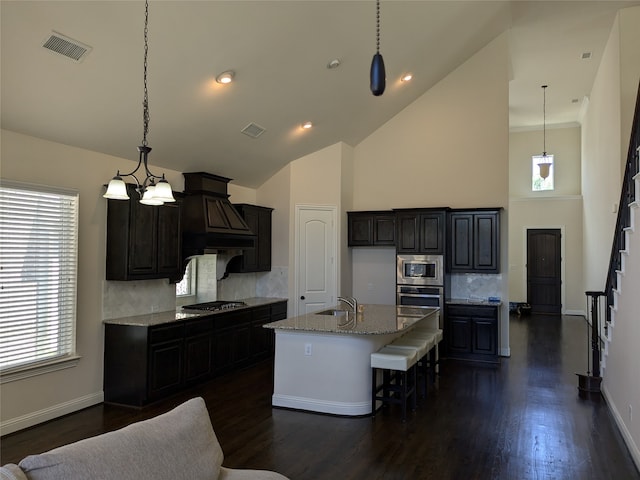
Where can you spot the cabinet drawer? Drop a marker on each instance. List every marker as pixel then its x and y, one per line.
pixel 197 327
pixel 231 320
pixel 278 311
pixel 472 311
pixel 166 333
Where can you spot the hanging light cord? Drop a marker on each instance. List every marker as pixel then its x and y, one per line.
pixel 544 120
pixel 145 101
pixel 377 26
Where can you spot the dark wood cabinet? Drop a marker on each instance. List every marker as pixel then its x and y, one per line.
pixel 421 231
pixel 472 332
pixel 146 363
pixel 143 241
pixel 371 229
pixel 258 259
pixel 475 241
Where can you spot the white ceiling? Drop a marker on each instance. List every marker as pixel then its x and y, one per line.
pixel 279 51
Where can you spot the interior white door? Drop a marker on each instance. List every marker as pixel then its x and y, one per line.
pixel 316 273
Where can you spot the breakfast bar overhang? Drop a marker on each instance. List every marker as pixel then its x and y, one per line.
pixel 323 359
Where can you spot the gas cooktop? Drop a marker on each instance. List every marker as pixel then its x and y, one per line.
pixel 214 306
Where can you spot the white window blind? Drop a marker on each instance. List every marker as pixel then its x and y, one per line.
pixel 38 268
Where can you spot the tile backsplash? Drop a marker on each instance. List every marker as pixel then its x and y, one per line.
pixel 476 286
pixel 127 299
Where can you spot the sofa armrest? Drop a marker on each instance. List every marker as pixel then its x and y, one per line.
pixel 12 471
pixel 241 474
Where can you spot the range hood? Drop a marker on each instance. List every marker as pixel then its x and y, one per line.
pixel 210 223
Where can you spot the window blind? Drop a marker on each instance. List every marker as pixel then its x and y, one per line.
pixel 38 269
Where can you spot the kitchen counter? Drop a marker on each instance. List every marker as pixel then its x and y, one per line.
pixel 370 320
pixel 323 362
pixel 159 318
pixel 472 301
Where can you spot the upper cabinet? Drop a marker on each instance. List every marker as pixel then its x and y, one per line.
pixel 421 231
pixel 371 229
pixel 475 241
pixel 143 241
pixel 258 259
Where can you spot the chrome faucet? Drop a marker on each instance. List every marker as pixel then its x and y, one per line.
pixel 351 301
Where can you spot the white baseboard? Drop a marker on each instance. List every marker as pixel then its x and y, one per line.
pixel 505 352
pixel 321 406
pixel 628 439
pixel 34 418
pixel 574 312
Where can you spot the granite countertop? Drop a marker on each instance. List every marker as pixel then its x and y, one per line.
pixel 370 320
pixel 473 301
pixel 159 318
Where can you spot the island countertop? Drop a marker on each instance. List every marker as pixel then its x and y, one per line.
pixel 371 319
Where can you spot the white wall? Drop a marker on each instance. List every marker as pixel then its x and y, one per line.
pixel 28 159
pixel 560 208
pixel 605 143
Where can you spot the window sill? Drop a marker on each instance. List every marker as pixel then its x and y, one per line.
pixel 20 373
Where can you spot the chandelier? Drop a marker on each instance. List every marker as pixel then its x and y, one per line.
pixel 150 191
pixel 377 75
pixel 545 162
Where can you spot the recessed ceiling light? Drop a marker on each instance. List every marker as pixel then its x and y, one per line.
pixel 335 63
pixel 225 77
pixel 586 55
pixel 307 125
pixel 406 77
pixel 575 100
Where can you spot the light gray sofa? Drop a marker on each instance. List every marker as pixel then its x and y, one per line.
pixel 179 444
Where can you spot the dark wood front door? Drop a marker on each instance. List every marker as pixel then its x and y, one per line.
pixel 544 279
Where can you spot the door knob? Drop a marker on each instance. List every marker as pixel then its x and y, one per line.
pixel 302 297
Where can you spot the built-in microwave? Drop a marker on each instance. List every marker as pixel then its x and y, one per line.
pixel 420 270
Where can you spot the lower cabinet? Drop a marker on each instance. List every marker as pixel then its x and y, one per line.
pixel 472 332
pixel 146 363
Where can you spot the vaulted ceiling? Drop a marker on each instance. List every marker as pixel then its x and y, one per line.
pixel 279 51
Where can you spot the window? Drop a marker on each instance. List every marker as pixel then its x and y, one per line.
pixel 38 268
pixel 542 172
pixel 187 286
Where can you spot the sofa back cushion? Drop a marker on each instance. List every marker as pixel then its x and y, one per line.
pixel 178 444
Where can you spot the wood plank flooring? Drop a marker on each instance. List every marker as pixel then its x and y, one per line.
pixel 522 420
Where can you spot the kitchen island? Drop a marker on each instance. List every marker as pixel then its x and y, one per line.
pixel 323 361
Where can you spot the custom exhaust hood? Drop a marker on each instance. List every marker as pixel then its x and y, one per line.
pixel 210 223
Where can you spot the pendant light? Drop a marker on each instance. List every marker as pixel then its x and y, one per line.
pixel 151 193
pixel 545 163
pixel 377 74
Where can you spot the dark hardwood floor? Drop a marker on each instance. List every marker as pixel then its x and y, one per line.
pixel 521 420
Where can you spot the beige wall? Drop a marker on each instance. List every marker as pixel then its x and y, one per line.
pixel 563 143
pixel 605 143
pixel 448 148
pixel 560 208
pixel 33 160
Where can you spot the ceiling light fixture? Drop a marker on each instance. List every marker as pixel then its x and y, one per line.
pixel 307 125
pixel 226 77
pixel 406 77
pixel 151 193
pixel 545 162
pixel 335 63
pixel 377 74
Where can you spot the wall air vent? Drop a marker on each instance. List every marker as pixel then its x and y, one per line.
pixel 253 130
pixel 66 46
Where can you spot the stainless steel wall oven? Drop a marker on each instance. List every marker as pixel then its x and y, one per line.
pixel 420 281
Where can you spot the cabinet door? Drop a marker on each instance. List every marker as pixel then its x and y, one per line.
pixel 165 368
pixel 260 337
pixel 459 335
pixel 461 241
pixel 264 241
pixel 384 230
pixel 432 228
pixel 198 345
pixel 360 229
pixel 250 257
pixel 484 336
pixel 143 238
pixel 408 228
pixel 169 239
pixel 486 239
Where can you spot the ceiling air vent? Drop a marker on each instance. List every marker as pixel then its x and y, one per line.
pixel 66 46
pixel 253 130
